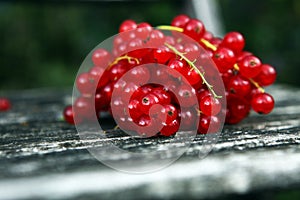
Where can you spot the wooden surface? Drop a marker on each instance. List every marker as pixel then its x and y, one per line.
pixel 42 157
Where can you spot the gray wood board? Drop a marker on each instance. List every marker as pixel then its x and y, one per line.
pixel 42 157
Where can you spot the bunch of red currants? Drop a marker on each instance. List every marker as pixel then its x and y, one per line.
pixel 124 80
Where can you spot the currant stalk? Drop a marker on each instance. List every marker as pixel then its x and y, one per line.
pixel 192 65
pixel 209 45
pixel 125 57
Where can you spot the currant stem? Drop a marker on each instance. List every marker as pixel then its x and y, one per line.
pixel 208 45
pixel 129 58
pixel 257 85
pixel 170 28
pixel 192 65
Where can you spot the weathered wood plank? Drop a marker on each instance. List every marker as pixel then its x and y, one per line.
pixel 43 157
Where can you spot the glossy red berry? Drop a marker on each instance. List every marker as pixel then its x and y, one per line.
pixel 224 59
pixel 250 66
pixel 4 104
pixel 101 58
pixel 237 108
pixel 267 76
pixel 262 103
pixel 208 124
pixel 210 105
pixel 170 129
pixel 68 114
pixel 234 41
pixel 239 85
pixel 85 83
pixel 127 25
pixel 180 21
pixel 194 29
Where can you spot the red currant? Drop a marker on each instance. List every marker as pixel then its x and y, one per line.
pixel 262 103
pixel 101 58
pixel 267 76
pixel 210 105
pixel 127 25
pixel 224 59
pixel 68 114
pixel 234 41
pixel 4 104
pixel 180 21
pixel 250 66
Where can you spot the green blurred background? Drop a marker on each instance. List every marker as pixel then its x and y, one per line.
pixel 43 44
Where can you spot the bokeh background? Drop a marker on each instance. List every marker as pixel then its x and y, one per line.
pixel 42 43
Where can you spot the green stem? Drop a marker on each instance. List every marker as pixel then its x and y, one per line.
pixel 192 65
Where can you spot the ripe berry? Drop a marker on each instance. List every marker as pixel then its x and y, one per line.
pixel 83 109
pixel 85 83
pixel 262 103
pixel 239 85
pixel 234 41
pixel 210 105
pixel 4 104
pixel 180 21
pixel 127 25
pixel 194 29
pixel 224 59
pixel 185 96
pixel 267 76
pixel 188 119
pixel 68 114
pixel 208 124
pixel 250 66
pixel 170 129
pixel 237 109
pixel 101 58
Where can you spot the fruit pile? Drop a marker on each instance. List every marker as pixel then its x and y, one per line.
pixel 188 74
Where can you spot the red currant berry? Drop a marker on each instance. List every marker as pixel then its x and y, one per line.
pixel 143 30
pixel 127 25
pixel 134 111
pixel 101 58
pixel 156 38
pixel 180 21
pixel 4 104
pixel 208 124
pixel 170 112
pixel 234 41
pixel 163 96
pixel 210 105
pixel 224 59
pixel 188 120
pixel 147 102
pixel 117 71
pixel 185 96
pixel 250 66
pixel 194 29
pixel 170 129
pixel 68 114
pixel 237 109
pixel 162 54
pixel 267 76
pixel 239 85
pixel 262 103
pixel 85 83
pixel 83 108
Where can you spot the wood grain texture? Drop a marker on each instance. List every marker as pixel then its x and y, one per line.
pixel 42 157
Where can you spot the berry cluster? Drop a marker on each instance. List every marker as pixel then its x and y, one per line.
pixel 123 81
